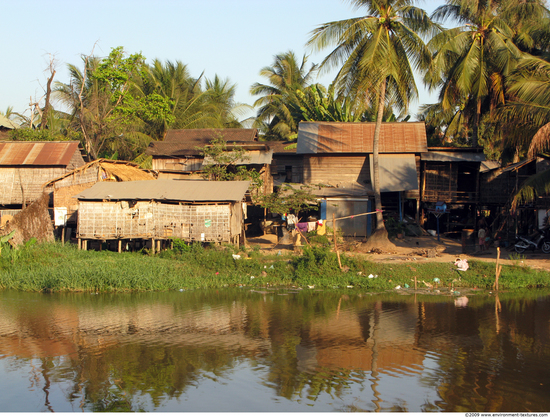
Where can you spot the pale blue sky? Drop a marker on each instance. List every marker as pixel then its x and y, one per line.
pixel 231 38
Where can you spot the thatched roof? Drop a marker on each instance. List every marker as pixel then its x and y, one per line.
pixel 113 170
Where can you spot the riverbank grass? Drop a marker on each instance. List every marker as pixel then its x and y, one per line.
pixel 56 267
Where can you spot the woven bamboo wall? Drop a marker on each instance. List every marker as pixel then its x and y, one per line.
pixel 31 180
pixel 339 169
pixel 120 220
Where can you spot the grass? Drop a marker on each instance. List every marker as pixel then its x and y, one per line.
pixel 55 267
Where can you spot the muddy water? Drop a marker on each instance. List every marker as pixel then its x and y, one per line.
pixel 278 350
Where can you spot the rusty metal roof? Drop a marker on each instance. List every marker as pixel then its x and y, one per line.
pixel 348 137
pixel 206 135
pixel 174 190
pixel 17 153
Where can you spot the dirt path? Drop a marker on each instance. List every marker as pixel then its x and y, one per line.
pixel 421 249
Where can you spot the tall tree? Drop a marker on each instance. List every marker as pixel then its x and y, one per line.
pixel 378 53
pixel 472 62
pixel 285 76
pixel 108 110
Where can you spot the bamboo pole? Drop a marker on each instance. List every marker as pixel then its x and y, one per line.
pixel 498 270
pixel 335 242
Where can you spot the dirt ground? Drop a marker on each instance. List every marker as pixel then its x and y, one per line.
pixel 425 249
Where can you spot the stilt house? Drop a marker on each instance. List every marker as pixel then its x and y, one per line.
pixel 159 210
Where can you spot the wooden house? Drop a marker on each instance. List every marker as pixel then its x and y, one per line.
pixel 26 166
pixel 159 210
pixel 452 176
pixel 65 187
pixel 338 156
pixel 498 187
pixel 179 155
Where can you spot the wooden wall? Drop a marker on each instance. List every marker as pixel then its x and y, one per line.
pixel 335 170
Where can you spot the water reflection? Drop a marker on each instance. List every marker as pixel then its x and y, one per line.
pixel 236 350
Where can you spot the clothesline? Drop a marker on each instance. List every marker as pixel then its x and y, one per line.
pixel 353 216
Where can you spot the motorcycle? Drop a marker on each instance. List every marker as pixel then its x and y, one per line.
pixel 540 239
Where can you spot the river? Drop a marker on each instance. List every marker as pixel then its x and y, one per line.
pixel 276 350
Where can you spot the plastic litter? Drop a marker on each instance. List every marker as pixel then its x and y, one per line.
pixel 398 287
pixel 436 280
pixel 371 276
pixel 236 256
pixel 406 286
pixel 461 265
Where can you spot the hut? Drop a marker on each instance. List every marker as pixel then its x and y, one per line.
pixel 156 211
pixel 82 178
pixel 25 166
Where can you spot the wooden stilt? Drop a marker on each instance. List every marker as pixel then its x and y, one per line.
pixel 79 244
pixel 119 246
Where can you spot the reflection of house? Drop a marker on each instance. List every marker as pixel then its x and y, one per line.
pixel 158 210
pixel 26 166
pixel 338 156
pixel 372 340
pixel 84 177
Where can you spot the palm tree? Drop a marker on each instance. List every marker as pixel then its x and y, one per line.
pixel 285 77
pixel 221 97
pixel 528 118
pixel 378 53
pixel 472 62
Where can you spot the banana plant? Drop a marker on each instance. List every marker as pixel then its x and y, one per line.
pixel 4 239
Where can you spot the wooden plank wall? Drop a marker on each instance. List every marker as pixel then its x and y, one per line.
pixel 334 170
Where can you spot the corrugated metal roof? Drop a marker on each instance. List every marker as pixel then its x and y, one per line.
pixel 345 137
pixel 175 190
pixel 452 156
pixel 189 148
pixel 206 135
pixel 37 153
pixel 249 158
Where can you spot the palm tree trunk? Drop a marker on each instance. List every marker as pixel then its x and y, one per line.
pixel 375 160
pixel 475 139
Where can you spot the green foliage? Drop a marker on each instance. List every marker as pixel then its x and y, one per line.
pixel 289 199
pixel 222 163
pixel 25 134
pixel 394 227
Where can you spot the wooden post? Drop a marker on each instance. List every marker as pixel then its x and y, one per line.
pixel 85 244
pixel 119 246
pixel 414 282
pixel 79 244
pixel 335 243
pixel 62 235
pixel 153 245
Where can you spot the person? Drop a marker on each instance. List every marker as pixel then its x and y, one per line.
pixel 481 238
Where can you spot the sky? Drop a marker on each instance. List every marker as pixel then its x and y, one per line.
pixel 234 39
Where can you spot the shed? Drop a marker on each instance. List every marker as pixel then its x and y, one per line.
pixel 160 210
pixel 26 166
pixel 84 177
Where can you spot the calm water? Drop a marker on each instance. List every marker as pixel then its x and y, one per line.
pixel 237 350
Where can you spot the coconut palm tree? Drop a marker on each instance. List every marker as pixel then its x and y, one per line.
pixel 378 53
pixel 285 76
pixel 220 95
pixel 472 62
